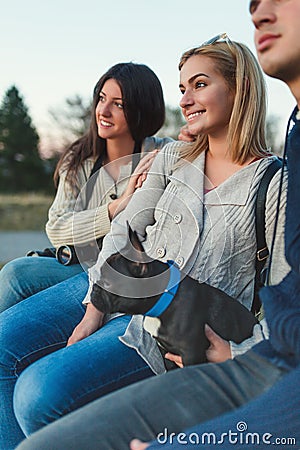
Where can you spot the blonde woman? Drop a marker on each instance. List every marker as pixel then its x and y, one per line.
pixel 197 208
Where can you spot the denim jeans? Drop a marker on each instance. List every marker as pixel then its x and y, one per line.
pixel 41 379
pixel 270 419
pixel 26 276
pixel 175 401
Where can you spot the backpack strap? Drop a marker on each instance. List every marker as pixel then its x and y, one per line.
pixel 260 223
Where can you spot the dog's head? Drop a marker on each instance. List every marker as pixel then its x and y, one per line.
pixel 130 281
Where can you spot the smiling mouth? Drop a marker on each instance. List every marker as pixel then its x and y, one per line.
pixel 195 114
pixel 105 124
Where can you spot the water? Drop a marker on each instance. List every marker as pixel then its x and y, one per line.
pixel 17 243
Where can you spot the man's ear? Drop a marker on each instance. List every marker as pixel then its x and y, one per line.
pixel 134 240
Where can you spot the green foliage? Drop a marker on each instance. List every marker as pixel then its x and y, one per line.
pixel 21 167
pixel 174 121
pixel 24 212
pixel 73 118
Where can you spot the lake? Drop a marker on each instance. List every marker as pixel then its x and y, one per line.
pixel 17 243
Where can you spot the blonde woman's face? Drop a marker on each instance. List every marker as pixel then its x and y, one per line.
pixel 206 99
pixel 110 117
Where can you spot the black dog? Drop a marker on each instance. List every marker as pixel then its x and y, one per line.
pixel 181 311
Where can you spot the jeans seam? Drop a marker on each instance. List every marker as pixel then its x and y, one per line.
pixel 19 361
pixel 103 386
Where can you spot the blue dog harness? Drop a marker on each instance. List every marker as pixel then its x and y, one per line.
pixel 169 293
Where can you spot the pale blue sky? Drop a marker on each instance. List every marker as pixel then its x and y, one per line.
pixel 53 49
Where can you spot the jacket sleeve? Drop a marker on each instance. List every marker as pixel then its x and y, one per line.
pixel 67 226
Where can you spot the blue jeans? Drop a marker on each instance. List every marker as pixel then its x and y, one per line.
pixel 174 401
pixel 41 379
pixel 26 276
pixel 269 419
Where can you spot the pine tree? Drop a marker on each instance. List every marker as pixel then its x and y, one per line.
pixel 21 168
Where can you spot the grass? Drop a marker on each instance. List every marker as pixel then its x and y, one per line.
pixel 28 211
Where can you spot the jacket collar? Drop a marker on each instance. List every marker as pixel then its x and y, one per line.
pixel 237 188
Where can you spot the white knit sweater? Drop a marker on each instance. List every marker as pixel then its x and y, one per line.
pixel 69 222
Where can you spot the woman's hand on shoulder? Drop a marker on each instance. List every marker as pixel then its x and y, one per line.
pixel 90 323
pixel 185 135
pixel 135 181
pixel 141 171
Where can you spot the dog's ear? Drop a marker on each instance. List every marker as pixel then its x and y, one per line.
pixel 138 268
pixel 134 240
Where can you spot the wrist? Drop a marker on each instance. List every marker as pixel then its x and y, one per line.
pixel 93 313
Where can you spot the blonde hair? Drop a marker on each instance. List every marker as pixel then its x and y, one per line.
pixel 247 125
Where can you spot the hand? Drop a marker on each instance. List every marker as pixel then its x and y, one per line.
pixel 219 349
pixel 136 181
pixel 185 135
pixel 136 444
pixel 90 323
pixel 141 171
pixel 174 358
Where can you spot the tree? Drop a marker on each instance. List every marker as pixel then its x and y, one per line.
pixel 21 167
pixel 73 118
pixel 174 121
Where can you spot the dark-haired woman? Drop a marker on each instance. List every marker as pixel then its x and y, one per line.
pixel 128 109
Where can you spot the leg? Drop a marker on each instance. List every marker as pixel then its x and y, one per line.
pixel 271 418
pixel 26 276
pixel 75 375
pixel 177 400
pixel 29 330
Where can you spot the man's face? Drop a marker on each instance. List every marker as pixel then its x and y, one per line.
pixel 277 37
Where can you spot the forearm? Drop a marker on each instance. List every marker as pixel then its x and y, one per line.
pixel 78 227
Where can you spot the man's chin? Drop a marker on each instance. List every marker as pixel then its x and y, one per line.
pixel 269 66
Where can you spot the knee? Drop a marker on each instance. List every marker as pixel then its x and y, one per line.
pixel 37 398
pixel 13 278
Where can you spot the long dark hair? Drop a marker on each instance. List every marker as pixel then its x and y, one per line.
pixel 144 110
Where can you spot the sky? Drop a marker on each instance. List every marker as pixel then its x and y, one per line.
pixel 54 49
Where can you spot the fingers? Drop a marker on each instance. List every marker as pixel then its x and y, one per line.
pixel 219 349
pixel 136 444
pixel 175 358
pixel 185 135
pixel 146 162
pixel 210 334
pixel 141 180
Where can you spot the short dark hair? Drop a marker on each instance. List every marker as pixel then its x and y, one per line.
pixel 142 95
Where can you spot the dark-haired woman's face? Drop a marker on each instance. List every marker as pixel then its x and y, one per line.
pixel 110 117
